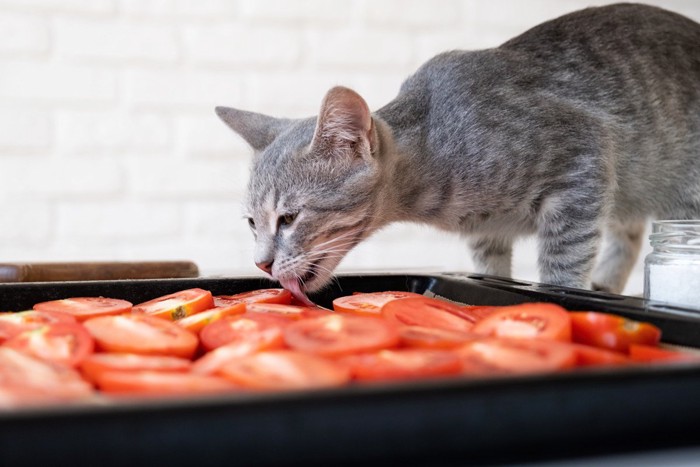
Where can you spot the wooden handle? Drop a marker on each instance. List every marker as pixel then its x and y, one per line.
pixel 89 271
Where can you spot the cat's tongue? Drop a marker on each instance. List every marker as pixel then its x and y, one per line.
pixel 295 288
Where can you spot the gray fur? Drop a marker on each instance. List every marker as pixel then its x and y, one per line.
pixel 582 127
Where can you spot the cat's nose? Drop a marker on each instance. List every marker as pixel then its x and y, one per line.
pixel 265 266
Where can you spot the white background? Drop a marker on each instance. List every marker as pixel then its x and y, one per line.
pixel 109 147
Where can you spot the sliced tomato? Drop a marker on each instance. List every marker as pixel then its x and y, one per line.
pixel 528 320
pixel 338 334
pixel 587 355
pixel 41 379
pixel 426 312
pixel 650 353
pixel 83 308
pixel 286 311
pixel 211 361
pixel 284 369
pixel 141 334
pixel 611 331
pixel 196 322
pixel 282 296
pixel 98 363
pixel 368 303
pixel 12 324
pixel 433 338
pixel 159 383
pixel 265 330
pixel 402 364
pixel 506 356
pixel 474 313
pixel 177 305
pixel 67 344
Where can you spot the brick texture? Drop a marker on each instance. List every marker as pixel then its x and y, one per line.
pixel 110 148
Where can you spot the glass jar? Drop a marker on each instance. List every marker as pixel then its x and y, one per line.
pixel 672 269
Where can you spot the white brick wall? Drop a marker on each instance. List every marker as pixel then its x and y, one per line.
pixel 109 146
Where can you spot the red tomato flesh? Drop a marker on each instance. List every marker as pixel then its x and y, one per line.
pixel 515 356
pixel 196 322
pixel 141 334
pixel 262 329
pixel 649 353
pixel 67 344
pixel 611 331
pixel 12 324
pixel 83 308
pixel 434 338
pixel 338 334
pixel 403 364
pixel 281 296
pixel 159 383
pixel 96 364
pixel 284 369
pixel 427 312
pixel 528 320
pixel 368 303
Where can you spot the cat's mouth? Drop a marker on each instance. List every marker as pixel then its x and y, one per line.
pixel 298 285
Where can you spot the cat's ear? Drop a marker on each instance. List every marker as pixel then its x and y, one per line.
pixel 257 129
pixel 344 125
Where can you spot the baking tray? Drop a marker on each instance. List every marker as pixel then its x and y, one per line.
pixel 450 422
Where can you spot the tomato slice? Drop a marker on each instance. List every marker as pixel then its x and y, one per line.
pixel 587 355
pixel 528 320
pixel 287 311
pixel 177 305
pixel 98 363
pixel 337 334
pixel 159 383
pixel 282 296
pixel 262 329
pixel 403 364
pixel 426 312
pixel 42 380
pixel 211 361
pixel 516 356
pixel 196 322
pixel 649 353
pixel 83 308
pixel 368 303
pixel 433 338
pixel 284 370
pixel 611 331
pixel 12 324
pixel 474 313
pixel 67 344
pixel 141 334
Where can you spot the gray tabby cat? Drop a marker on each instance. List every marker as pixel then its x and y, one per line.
pixel 577 131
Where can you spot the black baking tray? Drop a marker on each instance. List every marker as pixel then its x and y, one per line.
pixel 441 422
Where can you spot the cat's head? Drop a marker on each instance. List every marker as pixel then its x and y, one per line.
pixel 312 189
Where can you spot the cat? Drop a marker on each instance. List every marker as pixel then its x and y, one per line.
pixel 578 131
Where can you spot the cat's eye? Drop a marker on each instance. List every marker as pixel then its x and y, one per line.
pixel 251 223
pixel 286 219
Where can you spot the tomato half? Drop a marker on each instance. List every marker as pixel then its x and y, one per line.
pixel 427 312
pixel 282 296
pixel 141 334
pixel 506 356
pixel 262 329
pixel 12 324
pixel 159 383
pixel 177 305
pixel 83 308
pixel 196 322
pixel 433 338
pixel 402 364
pixel 611 331
pixel 649 353
pixel 368 303
pixel 98 363
pixel 284 369
pixel 528 320
pixel 337 334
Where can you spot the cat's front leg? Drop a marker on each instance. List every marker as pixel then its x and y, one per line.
pixel 491 255
pixel 569 238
